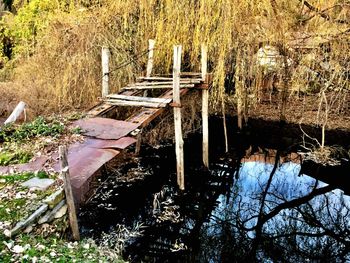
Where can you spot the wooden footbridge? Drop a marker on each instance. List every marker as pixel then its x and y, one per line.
pixel 106 137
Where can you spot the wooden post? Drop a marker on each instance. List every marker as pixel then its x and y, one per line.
pixel 151 44
pixel 138 143
pixel 105 71
pixel 205 100
pixel 177 118
pixel 69 193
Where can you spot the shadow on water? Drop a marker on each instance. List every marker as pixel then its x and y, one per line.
pixel 239 211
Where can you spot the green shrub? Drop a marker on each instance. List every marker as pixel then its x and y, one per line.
pixel 17 157
pixel 38 127
pixel 17 177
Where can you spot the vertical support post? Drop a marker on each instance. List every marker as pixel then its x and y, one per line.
pixel 138 143
pixel 151 44
pixel 105 71
pixel 177 118
pixel 205 100
pixel 69 193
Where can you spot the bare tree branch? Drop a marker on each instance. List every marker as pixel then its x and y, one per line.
pixel 322 12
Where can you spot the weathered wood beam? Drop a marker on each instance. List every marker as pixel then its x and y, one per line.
pixel 138 87
pixel 73 221
pixel 130 103
pixel 166 78
pixel 153 83
pixel 177 118
pixel 151 44
pixel 205 104
pixel 105 71
pixel 138 98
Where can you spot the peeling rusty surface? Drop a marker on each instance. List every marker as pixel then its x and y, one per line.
pixel 34 166
pixel 122 143
pixel 84 160
pixel 87 158
pixel 84 163
pixel 104 128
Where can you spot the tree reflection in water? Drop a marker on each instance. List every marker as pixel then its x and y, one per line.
pixel 237 212
pixel 273 214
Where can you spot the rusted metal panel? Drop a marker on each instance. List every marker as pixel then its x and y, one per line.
pixel 33 166
pixel 84 163
pixel 84 160
pixel 104 128
pixel 122 143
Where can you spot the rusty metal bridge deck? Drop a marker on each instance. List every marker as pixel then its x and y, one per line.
pixel 105 137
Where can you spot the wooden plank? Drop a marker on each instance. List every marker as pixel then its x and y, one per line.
pixel 146 115
pixel 158 87
pixel 29 221
pixel 103 108
pixel 154 83
pixel 105 71
pixel 205 100
pixel 138 98
pixel 165 78
pixel 182 74
pixel 177 118
pixel 130 103
pixel 68 191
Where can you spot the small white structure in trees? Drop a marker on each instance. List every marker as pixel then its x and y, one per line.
pixel 270 58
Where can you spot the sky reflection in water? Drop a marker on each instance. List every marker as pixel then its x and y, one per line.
pixel 311 229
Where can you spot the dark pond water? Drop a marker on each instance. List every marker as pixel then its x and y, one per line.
pixel 236 212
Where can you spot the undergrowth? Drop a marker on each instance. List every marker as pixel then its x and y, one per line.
pixel 38 127
pixel 53 249
pixel 16 157
pixel 20 177
pixel 18 142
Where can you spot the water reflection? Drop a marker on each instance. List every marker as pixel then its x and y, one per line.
pixel 237 212
pixel 277 215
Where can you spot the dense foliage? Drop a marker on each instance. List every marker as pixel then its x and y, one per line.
pixel 51 49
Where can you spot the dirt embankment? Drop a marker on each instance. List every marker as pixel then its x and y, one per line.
pixel 303 109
